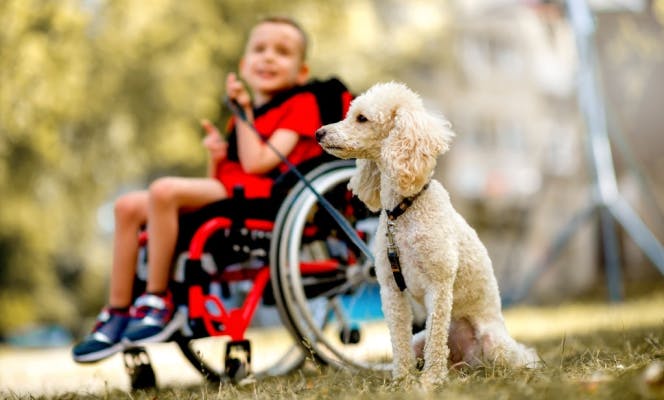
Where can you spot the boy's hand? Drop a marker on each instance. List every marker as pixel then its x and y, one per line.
pixel 214 142
pixel 236 91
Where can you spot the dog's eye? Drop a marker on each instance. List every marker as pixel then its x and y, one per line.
pixel 361 118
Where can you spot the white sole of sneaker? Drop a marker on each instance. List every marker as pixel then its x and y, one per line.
pixel 100 355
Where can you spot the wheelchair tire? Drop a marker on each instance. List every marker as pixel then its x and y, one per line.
pixel 349 300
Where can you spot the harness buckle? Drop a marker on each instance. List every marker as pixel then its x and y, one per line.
pixel 393 256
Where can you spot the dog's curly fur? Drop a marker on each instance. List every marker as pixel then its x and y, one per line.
pixel 445 265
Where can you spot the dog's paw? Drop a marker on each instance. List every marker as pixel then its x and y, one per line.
pixel 400 373
pixel 403 367
pixel 429 383
pixel 404 383
pixel 432 378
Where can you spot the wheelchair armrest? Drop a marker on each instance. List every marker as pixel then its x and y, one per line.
pixel 203 233
pixel 259 224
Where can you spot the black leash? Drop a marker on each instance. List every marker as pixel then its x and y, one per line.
pixel 338 218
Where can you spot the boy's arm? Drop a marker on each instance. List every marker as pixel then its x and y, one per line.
pixel 257 157
pixel 217 147
pixel 211 168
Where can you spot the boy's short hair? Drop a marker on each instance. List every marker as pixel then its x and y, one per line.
pixel 279 19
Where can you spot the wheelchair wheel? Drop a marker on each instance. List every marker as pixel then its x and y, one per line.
pixel 324 286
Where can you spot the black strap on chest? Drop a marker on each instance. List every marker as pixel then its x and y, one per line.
pixel 393 257
pixel 392 250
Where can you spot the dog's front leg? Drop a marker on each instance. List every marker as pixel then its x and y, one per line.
pixel 399 318
pixel 436 349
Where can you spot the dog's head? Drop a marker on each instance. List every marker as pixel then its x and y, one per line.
pixel 389 126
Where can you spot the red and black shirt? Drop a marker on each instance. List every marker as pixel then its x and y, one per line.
pixel 299 110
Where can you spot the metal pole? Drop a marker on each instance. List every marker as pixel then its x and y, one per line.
pixel 604 172
pixel 593 105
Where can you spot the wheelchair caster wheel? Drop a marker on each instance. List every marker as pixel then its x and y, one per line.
pixel 350 335
pixel 237 364
pixel 138 366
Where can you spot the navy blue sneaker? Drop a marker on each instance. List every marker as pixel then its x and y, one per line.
pixel 153 319
pixel 105 338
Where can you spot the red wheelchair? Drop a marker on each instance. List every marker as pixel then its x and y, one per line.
pixel 264 283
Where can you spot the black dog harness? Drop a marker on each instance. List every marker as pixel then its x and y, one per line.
pixel 392 250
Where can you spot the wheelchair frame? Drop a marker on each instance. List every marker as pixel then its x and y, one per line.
pixel 311 295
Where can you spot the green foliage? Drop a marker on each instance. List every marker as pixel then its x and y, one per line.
pixel 91 97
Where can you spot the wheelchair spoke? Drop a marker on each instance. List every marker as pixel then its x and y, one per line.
pixel 337 290
pixel 311 281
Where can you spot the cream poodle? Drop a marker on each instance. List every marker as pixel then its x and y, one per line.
pixel 423 247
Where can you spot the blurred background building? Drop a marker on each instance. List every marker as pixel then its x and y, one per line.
pixel 518 161
pixel 518 167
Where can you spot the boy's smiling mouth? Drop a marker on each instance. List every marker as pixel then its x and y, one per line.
pixel 266 74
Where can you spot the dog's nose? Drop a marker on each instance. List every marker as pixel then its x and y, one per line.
pixel 320 134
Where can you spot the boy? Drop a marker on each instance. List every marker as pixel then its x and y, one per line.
pixel 273 66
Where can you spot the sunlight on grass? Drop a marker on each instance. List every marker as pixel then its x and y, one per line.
pixel 542 323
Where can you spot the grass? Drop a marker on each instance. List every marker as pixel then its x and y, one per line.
pixel 589 350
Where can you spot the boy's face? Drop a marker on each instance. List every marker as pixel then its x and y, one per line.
pixel 272 60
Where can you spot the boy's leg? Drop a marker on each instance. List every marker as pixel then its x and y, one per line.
pixel 167 199
pixel 131 211
pixel 105 339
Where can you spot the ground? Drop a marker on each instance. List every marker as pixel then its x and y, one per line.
pixel 589 348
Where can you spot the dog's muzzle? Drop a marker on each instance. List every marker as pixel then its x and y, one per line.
pixel 320 134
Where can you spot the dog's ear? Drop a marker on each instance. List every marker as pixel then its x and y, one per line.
pixel 412 147
pixel 365 184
